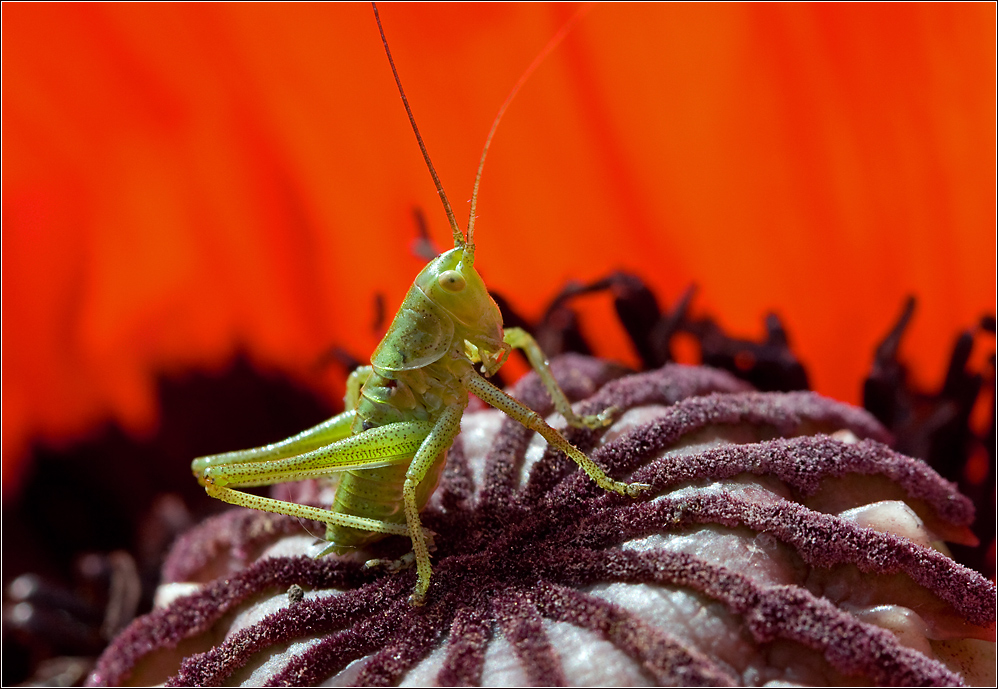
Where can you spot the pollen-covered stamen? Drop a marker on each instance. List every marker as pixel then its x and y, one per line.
pixel 529 568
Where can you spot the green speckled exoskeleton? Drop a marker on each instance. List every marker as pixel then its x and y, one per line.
pixel 404 410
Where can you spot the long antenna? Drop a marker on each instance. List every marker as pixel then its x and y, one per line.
pixel 551 45
pixel 458 237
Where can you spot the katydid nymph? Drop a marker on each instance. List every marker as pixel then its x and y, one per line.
pixel 404 410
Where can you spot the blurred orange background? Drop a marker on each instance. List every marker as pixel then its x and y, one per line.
pixel 184 181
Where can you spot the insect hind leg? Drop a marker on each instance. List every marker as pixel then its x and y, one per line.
pixel 292 509
pixel 384 446
pixel 329 431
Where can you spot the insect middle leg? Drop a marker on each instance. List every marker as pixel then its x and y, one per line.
pixel 431 451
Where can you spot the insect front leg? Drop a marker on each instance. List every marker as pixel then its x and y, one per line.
pixel 355 381
pixel 490 394
pixel 522 340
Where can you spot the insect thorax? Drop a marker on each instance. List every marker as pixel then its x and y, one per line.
pixel 417 395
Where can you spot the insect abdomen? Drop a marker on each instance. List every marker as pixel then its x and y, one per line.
pixel 375 494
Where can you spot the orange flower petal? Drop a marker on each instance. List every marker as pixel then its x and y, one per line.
pixel 184 180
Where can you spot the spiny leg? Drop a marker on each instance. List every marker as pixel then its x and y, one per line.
pixel 381 446
pixel 490 394
pixel 329 431
pixel 292 509
pixel 524 341
pixel 432 450
pixel 422 441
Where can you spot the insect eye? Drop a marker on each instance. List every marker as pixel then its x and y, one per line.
pixel 451 280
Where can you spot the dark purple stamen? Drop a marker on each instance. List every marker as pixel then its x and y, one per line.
pixel 516 551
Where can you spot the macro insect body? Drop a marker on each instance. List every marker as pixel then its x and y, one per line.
pixel 404 410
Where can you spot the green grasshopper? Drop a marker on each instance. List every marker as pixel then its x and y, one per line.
pixel 404 410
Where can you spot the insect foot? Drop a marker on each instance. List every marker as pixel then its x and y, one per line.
pixel 595 421
pixel 633 490
pixel 404 562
